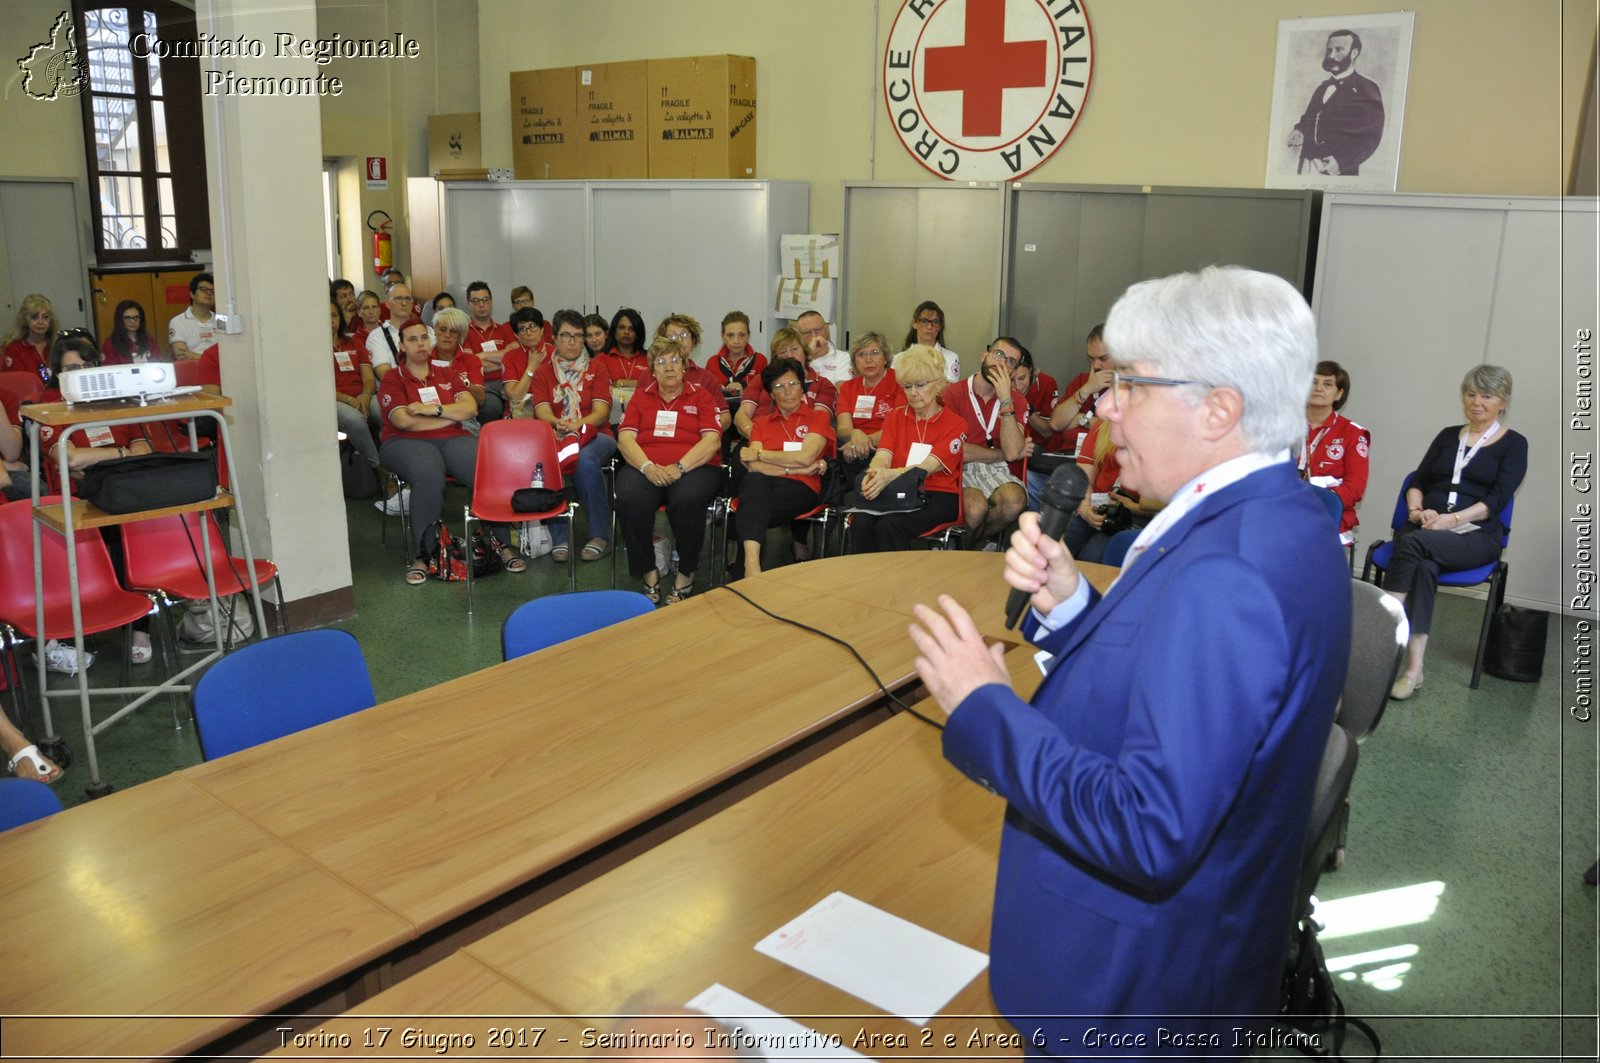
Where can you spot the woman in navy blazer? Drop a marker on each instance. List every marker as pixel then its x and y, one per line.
pixel 1159 786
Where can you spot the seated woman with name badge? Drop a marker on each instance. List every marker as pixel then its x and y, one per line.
pixel 425 406
pixel 923 435
pixel 671 446
pixel 864 401
pixel 449 329
pixel 521 363
pixel 353 388
pixel 1335 454
pixel 1468 474
pixel 572 394
pixel 626 362
pixel 783 460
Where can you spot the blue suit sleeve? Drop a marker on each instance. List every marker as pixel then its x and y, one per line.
pixel 1202 676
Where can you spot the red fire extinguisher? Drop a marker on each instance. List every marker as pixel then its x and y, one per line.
pixel 382 242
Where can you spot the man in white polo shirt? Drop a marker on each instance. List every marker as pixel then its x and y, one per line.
pixel 383 345
pixel 192 331
pixel 826 360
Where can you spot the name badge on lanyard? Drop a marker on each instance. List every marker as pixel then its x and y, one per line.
pixel 429 395
pixel 343 360
pixel 666 424
pixel 919 453
pixel 865 404
pixel 100 437
pixel 791 444
pixel 488 347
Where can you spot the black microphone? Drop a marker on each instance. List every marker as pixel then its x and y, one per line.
pixel 1062 493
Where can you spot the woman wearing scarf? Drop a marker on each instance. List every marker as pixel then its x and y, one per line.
pixel 572 394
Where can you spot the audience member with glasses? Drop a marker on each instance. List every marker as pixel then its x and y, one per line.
pixel 927 328
pixel 864 401
pixel 997 442
pixel 522 362
pixel 192 331
pixel 1159 783
pixel 130 340
pixel 919 434
pixel 784 460
pixel 670 441
pixel 572 394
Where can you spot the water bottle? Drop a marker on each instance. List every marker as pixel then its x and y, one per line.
pixel 538 475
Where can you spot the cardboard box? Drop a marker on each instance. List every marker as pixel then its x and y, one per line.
pixel 611 118
pixel 800 295
pixel 703 116
pixel 455 142
pixel 544 125
pixel 809 254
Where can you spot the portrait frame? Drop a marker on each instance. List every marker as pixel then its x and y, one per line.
pixel 1384 59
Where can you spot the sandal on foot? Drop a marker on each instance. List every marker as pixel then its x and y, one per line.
pixel 651 590
pixel 417 574
pixel 677 593
pixel 595 549
pixel 1404 688
pixel 560 554
pixel 39 769
pixel 139 651
pixel 513 561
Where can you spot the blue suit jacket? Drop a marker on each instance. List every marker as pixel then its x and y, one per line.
pixel 1160 784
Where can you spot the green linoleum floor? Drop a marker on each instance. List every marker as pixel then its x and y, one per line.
pixel 1479 807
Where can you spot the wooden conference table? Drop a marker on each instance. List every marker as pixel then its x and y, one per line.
pixel 882 818
pixel 371 832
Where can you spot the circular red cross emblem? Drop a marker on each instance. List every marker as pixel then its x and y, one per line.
pixel 986 90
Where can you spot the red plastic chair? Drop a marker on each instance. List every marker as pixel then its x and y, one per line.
pixel 508 452
pixel 821 514
pixel 21 386
pixel 940 536
pixel 104 603
pixel 163 557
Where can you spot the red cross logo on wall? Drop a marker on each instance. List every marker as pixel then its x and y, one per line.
pixel 983 67
pixel 986 89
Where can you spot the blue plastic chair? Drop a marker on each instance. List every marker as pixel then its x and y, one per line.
pixel 1117 548
pixel 1333 503
pixel 25 800
pixel 278 686
pixel 556 618
pixel 1494 573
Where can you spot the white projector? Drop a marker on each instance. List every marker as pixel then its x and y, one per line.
pixel 142 381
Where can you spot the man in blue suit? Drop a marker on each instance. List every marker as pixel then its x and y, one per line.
pixel 1160 783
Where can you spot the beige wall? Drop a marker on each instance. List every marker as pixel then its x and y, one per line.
pixel 1182 90
pixel 385 106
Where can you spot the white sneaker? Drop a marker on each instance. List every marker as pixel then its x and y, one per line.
pixel 64 659
pixel 395 504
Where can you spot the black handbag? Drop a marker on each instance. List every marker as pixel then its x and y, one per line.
pixel 150 481
pixel 1516 644
pixel 537 499
pixel 903 494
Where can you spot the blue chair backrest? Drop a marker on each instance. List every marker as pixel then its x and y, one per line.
pixel 268 689
pixel 558 617
pixel 1333 503
pixel 25 800
pixel 1117 548
pixel 1401 513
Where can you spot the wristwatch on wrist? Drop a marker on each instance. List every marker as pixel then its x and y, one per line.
pixel 438 409
pixel 681 469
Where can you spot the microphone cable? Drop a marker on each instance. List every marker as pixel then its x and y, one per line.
pixel 935 724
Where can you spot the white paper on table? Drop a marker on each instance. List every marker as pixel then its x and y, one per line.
pixel 896 965
pixel 777 1037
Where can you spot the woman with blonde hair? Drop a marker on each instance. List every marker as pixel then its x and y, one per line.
pixel 28 342
pixel 923 436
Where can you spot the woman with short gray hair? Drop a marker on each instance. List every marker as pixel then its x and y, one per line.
pixel 1453 505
